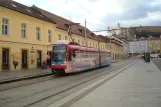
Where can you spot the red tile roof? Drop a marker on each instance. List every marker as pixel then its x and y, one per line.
pixel 10 4
pixel 63 23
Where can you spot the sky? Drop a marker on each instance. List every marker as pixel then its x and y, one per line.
pixel 101 14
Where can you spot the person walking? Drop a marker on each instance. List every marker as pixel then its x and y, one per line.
pixel 48 61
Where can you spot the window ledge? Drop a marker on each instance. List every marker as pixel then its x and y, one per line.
pixel 5 34
pixel 24 37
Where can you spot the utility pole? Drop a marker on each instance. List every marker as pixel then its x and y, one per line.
pixel 85 33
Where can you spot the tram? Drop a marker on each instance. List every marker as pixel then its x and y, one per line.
pixel 68 58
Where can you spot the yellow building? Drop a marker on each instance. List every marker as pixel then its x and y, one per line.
pixel 24 36
pixel 154 45
pixel 117 49
pixel 77 30
pixel 26 33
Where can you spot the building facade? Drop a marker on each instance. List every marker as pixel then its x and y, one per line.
pixel 154 45
pixel 26 34
pixel 23 37
pixel 138 46
pixel 126 48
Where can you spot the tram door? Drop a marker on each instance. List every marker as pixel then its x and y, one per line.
pixel 5 58
pixel 24 58
pixel 39 59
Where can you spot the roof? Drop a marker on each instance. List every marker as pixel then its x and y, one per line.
pixel 102 38
pixel 10 4
pixel 63 24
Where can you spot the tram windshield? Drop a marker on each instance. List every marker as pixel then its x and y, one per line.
pixel 59 54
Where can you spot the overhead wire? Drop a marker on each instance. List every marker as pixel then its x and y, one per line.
pixel 90 13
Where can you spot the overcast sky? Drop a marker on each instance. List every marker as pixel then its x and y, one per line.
pixel 110 12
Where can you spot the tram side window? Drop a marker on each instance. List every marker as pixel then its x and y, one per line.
pixel 89 55
pixel 81 54
pixel 86 54
pixel 70 56
pixel 74 53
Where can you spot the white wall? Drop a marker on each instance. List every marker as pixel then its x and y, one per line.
pixel 138 46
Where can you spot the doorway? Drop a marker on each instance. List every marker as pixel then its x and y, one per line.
pixel 24 58
pixel 39 59
pixel 5 58
pixel 49 54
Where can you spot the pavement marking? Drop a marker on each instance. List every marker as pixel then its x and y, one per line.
pixel 66 100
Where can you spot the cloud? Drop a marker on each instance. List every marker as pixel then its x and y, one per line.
pixel 147 13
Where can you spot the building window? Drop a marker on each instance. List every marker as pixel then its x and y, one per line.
pixel 49 35
pixel 96 45
pixel 5 26
pixel 90 44
pixel 23 30
pixel 59 38
pixel 93 44
pixel 38 33
pixel 78 42
pixel 66 38
pixel 73 40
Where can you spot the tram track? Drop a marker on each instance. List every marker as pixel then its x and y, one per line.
pixel 20 82
pixel 49 90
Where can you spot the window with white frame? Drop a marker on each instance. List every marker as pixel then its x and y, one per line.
pixel 38 33
pixel 5 26
pixel 23 30
pixel 66 38
pixel 59 37
pixel 49 35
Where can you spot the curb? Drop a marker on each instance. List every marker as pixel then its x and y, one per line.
pixel 24 78
pixel 29 77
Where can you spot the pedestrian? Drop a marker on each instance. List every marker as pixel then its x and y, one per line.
pixel 48 61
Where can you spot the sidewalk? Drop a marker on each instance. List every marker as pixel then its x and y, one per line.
pixel 113 61
pixel 137 86
pixel 13 75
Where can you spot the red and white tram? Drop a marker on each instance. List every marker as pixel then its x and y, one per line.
pixel 67 58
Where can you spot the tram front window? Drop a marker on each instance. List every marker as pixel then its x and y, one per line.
pixel 59 54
